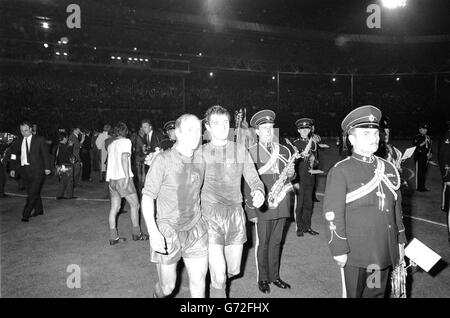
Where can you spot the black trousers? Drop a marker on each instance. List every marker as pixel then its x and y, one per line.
pixel 2 178
pixel 421 171
pixel 65 187
pixel 33 184
pixel 86 169
pixel 268 247
pixel 304 209
pixel 365 283
pixel 76 174
pixel 141 172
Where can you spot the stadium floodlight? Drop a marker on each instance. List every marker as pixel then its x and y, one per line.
pixel 393 4
pixel 135 49
pixel 119 58
pixel 397 79
pixel 334 79
pixel 146 60
pixel 273 77
pixel 130 59
pixel 45 45
pixel 141 60
pixel 113 57
pixel 57 53
pixel 65 53
pixel 135 59
pixel 200 54
pixel 211 74
pixel 45 25
pixel 95 47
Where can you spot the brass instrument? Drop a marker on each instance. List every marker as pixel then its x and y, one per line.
pixel 280 189
pixel 308 155
pixel 242 133
pixel 398 280
pixel 238 117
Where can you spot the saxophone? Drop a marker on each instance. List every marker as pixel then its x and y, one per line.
pixel 308 156
pixel 280 189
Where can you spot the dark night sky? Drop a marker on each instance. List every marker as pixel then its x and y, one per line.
pixel 419 17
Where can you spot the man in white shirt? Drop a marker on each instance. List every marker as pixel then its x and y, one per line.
pixel 100 143
pixel 120 178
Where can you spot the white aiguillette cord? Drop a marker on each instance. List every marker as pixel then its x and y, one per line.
pixel 344 288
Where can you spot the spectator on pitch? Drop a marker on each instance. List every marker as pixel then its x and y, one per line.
pixel 120 178
pixel 100 143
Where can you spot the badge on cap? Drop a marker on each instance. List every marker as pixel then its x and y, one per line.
pixel 329 216
pixel 371 117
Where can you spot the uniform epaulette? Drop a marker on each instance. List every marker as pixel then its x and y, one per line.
pixel 336 164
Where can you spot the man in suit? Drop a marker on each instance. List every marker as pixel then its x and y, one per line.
pixel 362 208
pixel 30 157
pixel 422 154
pixel 76 142
pixel 270 159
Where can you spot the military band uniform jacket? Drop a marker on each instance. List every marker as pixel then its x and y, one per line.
pixel 362 208
pixel 269 175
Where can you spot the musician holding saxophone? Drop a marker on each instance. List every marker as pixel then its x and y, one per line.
pixel 306 180
pixel 362 208
pixel 275 168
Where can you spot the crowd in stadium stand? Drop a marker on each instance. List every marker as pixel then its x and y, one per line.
pixel 57 97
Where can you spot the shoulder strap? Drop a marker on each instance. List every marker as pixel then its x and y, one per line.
pixel 368 187
pixel 272 160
